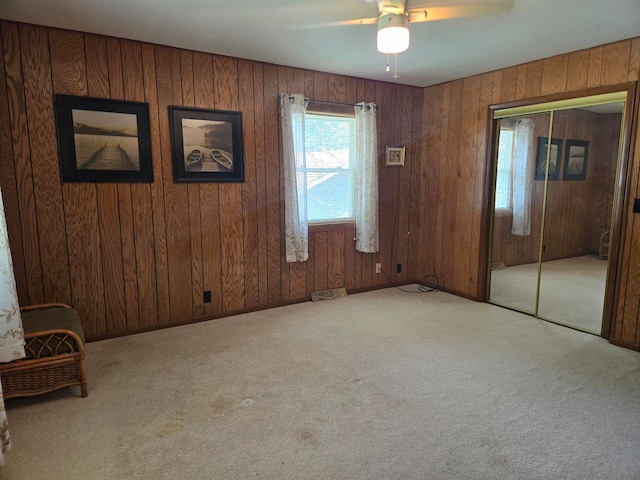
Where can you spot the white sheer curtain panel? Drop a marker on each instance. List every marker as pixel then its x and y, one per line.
pixel 367 237
pixel 11 333
pixel 523 166
pixel 292 115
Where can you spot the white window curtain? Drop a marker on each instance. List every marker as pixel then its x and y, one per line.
pixel 523 165
pixel 367 237
pixel 11 333
pixel 292 116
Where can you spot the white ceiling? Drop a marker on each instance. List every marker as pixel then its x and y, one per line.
pixel 266 30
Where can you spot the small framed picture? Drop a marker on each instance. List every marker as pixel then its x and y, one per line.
pixel 102 140
pixel 554 158
pixel 394 157
pixel 575 160
pixel 206 145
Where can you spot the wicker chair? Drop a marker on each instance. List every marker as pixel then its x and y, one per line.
pixel 54 353
pixel 605 243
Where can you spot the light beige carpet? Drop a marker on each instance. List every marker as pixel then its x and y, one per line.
pixel 571 290
pixel 379 385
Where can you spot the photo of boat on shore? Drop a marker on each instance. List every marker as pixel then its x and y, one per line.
pixel 105 140
pixel 207 145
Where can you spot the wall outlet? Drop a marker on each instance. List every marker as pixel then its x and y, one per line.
pixel 207 296
pixel 378 268
pixel 399 268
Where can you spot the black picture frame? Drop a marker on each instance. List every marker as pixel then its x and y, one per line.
pixel 206 145
pixel 555 158
pixel 575 160
pixel 103 140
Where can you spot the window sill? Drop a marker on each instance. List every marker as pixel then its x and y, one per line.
pixel 329 226
pixel 503 212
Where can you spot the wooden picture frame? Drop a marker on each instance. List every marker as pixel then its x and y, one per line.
pixel 575 160
pixel 206 145
pixel 394 157
pixel 102 140
pixel 554 159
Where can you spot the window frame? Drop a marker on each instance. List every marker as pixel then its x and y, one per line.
pixel 330 110
pixel 505 211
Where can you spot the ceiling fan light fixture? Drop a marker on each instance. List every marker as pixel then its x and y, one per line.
pixel 393 33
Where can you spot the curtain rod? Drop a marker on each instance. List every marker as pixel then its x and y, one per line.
pixel 334 103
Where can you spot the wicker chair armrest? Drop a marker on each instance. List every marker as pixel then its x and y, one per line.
pixel 43 306
pixel 51 343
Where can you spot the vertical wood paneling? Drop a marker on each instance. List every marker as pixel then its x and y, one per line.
pixel 226 92
pixel 451 174
pixel 193 193
pixel 595 67
pixel 157 187
pixel 284 266
pixel 17 186
pixel 431 201
pixel 386 125
pixel 36 68
pixel 404 187
pixel 208 204
pixel 634 61
pixel 261 194
pixel 335 254
pixel 578 70
pixel 321 260
pixel 615 63
pixel 554 75
pixel 80 199
pixel 175 195
pixel 125 204
pixel 249 187
pixel 107 196
pixel 272 182
pixel 147 315
pixel 413 210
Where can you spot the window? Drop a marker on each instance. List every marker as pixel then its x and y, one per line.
pixel 330 167
pixel 504 180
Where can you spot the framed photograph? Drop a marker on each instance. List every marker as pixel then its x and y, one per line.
pixel 394 157
pixel 554 158
pixel 575 160
pixel 101 140
pixel 206 145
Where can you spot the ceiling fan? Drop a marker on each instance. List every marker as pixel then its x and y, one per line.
pixel 394 17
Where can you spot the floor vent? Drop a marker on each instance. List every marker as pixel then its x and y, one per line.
pixel 328 294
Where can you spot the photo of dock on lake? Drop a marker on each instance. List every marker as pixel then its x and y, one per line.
pixel 106 140
pixel 207 145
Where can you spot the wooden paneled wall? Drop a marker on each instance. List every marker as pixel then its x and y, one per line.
pixel 578 212
pixel 452 191
pixel 133 256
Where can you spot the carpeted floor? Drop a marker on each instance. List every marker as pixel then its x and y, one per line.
pixel 379 385
pixel 571 290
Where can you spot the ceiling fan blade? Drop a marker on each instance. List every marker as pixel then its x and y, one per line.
pixel 432 14
pixel 357 21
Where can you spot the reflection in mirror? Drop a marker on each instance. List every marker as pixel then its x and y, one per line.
pixel 517 221
pixel 553 213
pixel 578 217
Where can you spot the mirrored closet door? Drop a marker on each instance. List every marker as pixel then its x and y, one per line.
pixel 555 186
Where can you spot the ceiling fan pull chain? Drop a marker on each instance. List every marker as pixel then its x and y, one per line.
pixel 395 68
pixel 388 67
